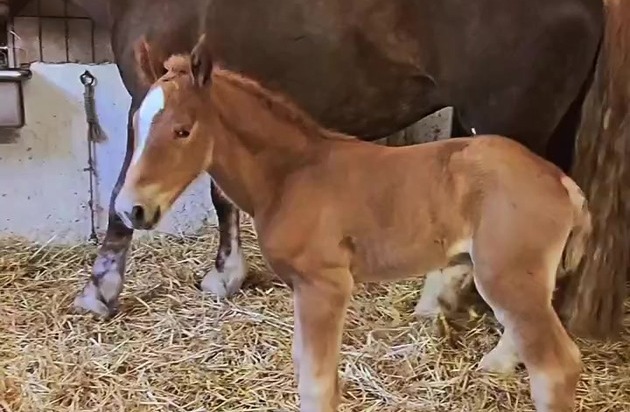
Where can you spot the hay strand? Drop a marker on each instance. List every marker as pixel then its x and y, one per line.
pixel 172 348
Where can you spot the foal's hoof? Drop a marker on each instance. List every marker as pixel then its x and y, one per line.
pixel 227 283
pixel 88 301
pixel 500 362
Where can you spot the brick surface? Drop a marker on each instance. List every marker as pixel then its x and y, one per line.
pixel 80 40
pixel 102 46
pixel 27 40
pixel 62 39
pixel 54 40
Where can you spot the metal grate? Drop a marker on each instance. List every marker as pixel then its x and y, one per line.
pixel 4 39
pixel 4 49
pixel 56 31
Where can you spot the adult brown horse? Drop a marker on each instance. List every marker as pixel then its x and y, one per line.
pixel 370 68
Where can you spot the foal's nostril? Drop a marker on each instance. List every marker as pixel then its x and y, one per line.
pixel 137 215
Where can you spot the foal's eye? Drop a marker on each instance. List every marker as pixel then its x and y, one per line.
pixel 182 133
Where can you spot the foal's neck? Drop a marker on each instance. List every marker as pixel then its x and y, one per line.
pixel 261 143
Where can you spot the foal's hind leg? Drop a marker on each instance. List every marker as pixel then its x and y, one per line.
pixel 230 268
pixel 519 291
pixel 503 358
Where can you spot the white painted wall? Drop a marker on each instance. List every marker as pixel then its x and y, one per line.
pixel 43 185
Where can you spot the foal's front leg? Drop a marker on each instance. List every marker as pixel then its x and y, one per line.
pixel 230 268
pixel 320 305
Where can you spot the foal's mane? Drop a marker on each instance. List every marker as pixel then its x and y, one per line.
pixel 277 102
pixel 281 105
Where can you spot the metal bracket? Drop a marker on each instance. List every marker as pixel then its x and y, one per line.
pixel 14 116
pixel 14 75
pixel 13 97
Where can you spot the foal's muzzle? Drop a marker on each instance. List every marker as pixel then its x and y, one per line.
pixel 141 219
pixel 135 213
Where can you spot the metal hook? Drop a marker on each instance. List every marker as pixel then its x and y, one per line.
pixel 87 79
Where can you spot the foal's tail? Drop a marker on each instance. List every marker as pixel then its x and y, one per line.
pixel 582 227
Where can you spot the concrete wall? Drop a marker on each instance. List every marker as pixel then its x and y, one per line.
pixel 43 185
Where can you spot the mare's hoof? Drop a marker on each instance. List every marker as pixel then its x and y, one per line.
pixel 88 301
pixel 228 282
pixel 426 310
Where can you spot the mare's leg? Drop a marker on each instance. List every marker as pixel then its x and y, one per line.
pixel 445 289
pixel 442 291
pixel 518 283
pixel 100 294
pixel 320 305
pixel 230 268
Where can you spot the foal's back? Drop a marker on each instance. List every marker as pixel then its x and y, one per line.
pixel 412 209
pixel 446 182
pixel 495 168
pixel 455 173
pixel 493 176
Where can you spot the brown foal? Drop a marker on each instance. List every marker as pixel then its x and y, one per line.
pixel 330 210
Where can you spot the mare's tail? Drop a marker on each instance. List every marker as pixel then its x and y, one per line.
pixel 596 294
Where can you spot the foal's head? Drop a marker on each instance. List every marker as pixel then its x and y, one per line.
pixel 170 150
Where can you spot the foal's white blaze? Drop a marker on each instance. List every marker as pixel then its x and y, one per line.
pixel 152 104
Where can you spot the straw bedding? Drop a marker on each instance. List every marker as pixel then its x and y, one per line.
pixel 174 349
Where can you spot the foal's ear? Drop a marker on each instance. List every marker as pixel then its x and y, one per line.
pixel 201 63
pixel 149 65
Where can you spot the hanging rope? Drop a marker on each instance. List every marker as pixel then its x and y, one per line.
pixel 94 135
